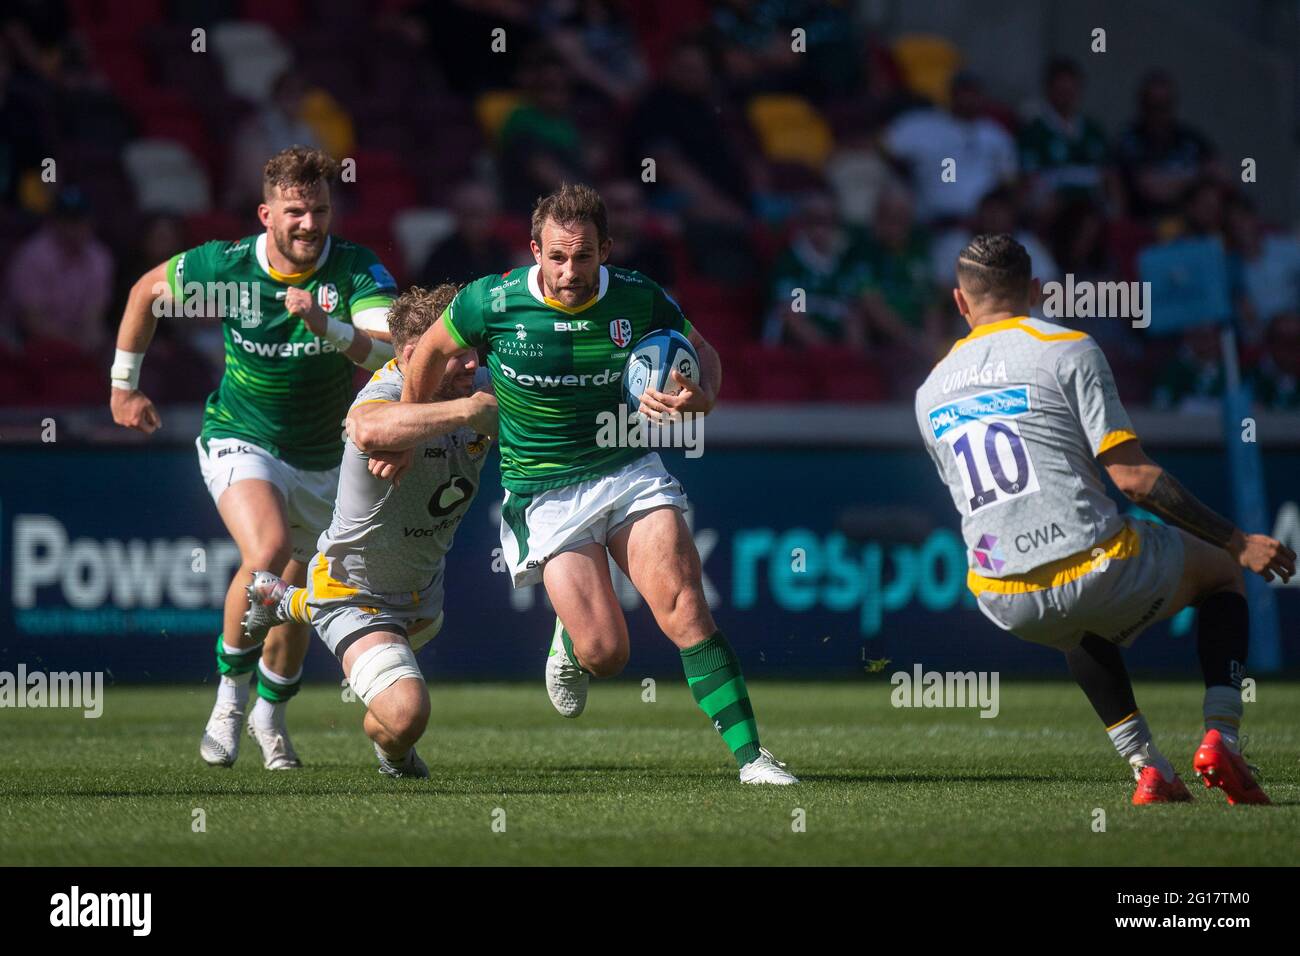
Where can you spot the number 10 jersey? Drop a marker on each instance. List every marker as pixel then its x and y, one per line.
pixel 1014 417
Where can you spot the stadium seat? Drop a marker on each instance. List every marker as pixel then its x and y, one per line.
pixel 846 376
pixel 252 57
pixel 418 231
pixel 202 227
pixel 790 129
pixel 779 374
pixel 166 177
pixel 928 64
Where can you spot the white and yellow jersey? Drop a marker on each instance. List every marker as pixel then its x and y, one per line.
pixel 1014 417
pixel 390 541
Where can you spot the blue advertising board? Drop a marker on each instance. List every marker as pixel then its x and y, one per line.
pixel 115 559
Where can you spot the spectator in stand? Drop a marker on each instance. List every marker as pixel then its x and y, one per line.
pixel 599 47
pixel 1062 152
pixel 817 283
pixel 1193 379
pixel 60 283
pixel 23 140
pixel 997 213
pixel 1159 156
pixel 678 125
pixel 277 125
pixel 758 50
pixel 901 301
pixel 1204 211
pixel 1266 268
pixel 1276 379
pixel 540 145
pixel 638 238
pixel 474 249
pixel 983 151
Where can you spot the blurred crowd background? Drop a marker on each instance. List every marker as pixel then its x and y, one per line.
pixel 773 170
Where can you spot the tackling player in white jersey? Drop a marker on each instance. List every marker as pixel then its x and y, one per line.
pixel 374 590
pixel 1015 417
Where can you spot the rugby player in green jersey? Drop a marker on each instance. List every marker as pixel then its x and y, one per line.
pixel 298 307
pixel 557 336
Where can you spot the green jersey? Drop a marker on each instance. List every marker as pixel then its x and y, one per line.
pixel 556 369
pixel 284 389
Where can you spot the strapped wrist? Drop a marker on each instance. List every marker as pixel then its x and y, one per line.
pixel 125 373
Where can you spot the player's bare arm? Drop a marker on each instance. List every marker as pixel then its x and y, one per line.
pixel 1145 483
pixel 425 368
pixel 394 426
pixel 131 407
pixel 696 399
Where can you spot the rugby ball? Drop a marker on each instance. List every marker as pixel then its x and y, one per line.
pixel 652 362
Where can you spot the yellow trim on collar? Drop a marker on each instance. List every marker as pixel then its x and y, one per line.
pixel 557 304
pixel 288 278
pixel 1015 323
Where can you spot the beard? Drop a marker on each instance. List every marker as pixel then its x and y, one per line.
pixel 284 242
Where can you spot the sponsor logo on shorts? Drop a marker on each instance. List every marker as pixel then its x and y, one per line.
pixel 235 450
pixel 1141 622
pixel 1027 541
pixel 435 453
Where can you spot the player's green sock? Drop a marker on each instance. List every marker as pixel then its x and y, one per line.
pixel 276 688
pixel 714 676
pixel 234 663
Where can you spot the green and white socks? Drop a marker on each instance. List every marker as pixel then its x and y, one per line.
pixel 713 673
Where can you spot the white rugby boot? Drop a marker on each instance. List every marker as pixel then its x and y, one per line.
pixel 277 750
pixel 566 682
pixel 268 604
pixel 219 746
pixel 412 766
pixel 766 769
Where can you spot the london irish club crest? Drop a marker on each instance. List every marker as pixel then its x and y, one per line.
pixel 327 296
pixel 620 330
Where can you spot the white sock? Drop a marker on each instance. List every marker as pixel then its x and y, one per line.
pixel 233 689
pixel 270 714
pixel 1132 738
pixel 1222 710
pixel 267 714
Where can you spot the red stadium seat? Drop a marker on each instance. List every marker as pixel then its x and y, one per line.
pixel 779 374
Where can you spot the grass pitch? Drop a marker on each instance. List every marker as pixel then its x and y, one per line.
pixel 640 783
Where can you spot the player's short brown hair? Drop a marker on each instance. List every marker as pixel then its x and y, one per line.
pixel 571 205
pixel 298 167
pixel 996 267
pixel 415 310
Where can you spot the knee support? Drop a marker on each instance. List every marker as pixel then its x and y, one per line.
pixel 382 666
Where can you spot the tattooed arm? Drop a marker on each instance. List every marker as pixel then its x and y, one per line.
pixel 1148 485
